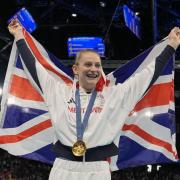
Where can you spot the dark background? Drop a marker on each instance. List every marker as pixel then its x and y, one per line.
pixel 102 18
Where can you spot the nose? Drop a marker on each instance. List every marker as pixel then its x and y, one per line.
pixel 93 68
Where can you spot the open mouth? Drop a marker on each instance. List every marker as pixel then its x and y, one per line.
pixel 93 76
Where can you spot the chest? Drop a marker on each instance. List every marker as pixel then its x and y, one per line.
pixel 84 101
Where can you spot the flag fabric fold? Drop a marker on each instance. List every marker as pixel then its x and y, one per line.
pixel 147 137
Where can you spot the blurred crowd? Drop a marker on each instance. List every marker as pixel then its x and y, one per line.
pixel 165 172
pixel 16 168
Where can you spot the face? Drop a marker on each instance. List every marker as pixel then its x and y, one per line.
pixel 88 70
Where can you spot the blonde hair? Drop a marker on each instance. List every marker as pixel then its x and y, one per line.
pixel 80 53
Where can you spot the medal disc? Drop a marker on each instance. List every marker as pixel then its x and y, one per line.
pixel 79 148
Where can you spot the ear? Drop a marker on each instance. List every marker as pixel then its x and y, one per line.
pixel 75 69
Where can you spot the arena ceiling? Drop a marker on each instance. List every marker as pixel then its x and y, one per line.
pixel 55 23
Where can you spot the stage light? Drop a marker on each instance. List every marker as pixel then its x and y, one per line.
pixel 74 15
pixel 149 168
pixel 158 167
pixel 102 4
pixel 55 27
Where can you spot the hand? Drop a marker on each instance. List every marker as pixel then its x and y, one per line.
pixel 15 29
pixel 174 37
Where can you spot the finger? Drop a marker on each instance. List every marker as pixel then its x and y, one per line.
pixel 9 27
pixel 177 32
pixel 176 29
pixel 14 26
pixel 14 22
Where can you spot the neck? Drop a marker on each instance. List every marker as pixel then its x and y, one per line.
pixel 87 89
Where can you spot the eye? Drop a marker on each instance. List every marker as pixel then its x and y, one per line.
pixel 98 65
pixel 88 64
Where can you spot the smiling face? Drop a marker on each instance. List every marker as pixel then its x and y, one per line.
pixel 88 69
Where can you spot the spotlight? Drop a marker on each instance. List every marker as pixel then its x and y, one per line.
pixel 149 168
pixel 102 4
pixel 74 15
pixel 137 13
pixel 55 27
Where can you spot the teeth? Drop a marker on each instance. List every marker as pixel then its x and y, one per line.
pixel 92 75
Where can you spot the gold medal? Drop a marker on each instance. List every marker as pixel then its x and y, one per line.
pixel 79 148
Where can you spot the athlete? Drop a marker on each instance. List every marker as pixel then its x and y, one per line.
pixel 87 115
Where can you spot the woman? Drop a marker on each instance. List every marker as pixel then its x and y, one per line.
pixel 88 115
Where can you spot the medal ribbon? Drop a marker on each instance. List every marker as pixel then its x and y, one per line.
pixel 81 126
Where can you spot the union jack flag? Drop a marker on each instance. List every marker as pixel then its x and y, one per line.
pixel 147 137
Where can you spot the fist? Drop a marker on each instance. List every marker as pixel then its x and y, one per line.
pixel 15 29
pixel 174 37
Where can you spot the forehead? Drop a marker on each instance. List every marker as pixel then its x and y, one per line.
pixel 90 57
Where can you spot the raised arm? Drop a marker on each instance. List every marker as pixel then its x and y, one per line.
pixel 17 31
pixel 162 59
pixel 122 98
pixel 134 88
